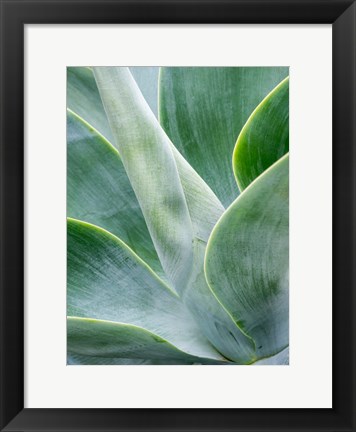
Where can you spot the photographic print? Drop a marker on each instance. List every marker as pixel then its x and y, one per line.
pixel 178 215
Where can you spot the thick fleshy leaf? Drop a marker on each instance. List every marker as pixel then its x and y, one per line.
pixel 265 137
pixel 203 110
pixel 155 170
pixel 84 99
pixel 214 320
pixel 114 340
pixel 100 193
pixel 107 281
pixel 78 359
pixel 204 208
pixel 247 259
pixel 282 358
pixel 148 159
pixel 147 80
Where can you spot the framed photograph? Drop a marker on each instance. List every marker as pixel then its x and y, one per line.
pixel 177 218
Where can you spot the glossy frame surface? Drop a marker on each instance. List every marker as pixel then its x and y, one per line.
pixel 14 14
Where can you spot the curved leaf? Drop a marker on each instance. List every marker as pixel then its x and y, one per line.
pixel 203 109
pixel 107 281
pixel 247 260
pixel 204 208
pixel 113 340
pixel 265 137
pixel 100 193
pixel 84 99
pixel 79 359
pixel 215 321
pixel 147 80
pixel 147 156
pixel 149 160
pixel 282 358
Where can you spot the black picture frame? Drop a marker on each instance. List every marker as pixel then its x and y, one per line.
pixel 14 15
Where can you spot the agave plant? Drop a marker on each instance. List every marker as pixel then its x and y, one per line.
pixel 178 215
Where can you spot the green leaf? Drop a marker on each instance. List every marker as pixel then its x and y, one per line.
pixel 112 340
pixel 151 167
pixel 203 110
pixel 107 281
pixel 215 321
pixel 265 137
pixel 147 156
pixel 100 193
pixel 204 207
pixel 84 99
pixel 78 359
pixel 179 220
pixel 247 259
pixel 147 80
pixel 282 358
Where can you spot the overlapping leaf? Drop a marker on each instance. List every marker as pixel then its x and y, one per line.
pixel 147 80
pixel 247 259
pixel 79 359
pixel 147 156
pixel 203 110
pixel 122 320
pixel 203 205
pixel 100 192
pixel 265 137
pixel 282 358
pixel 150 164
pixel 84 99
pixel 117 341
pixel 106 281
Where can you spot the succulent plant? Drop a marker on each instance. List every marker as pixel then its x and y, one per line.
pixel 178 238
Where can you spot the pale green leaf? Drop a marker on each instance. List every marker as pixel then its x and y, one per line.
pixel 215 321
pixel 179 220
pixel 147 80
pixel 99 192
pixel 282 358
pixel 147 156
pixel 204 207
pixel 150 164
pixel 107 281
pixel 112 340
pixel 79 359
pixel 247 259
pixel 83 96
pixel 265 137
pixel 203 110
pixel 84 99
